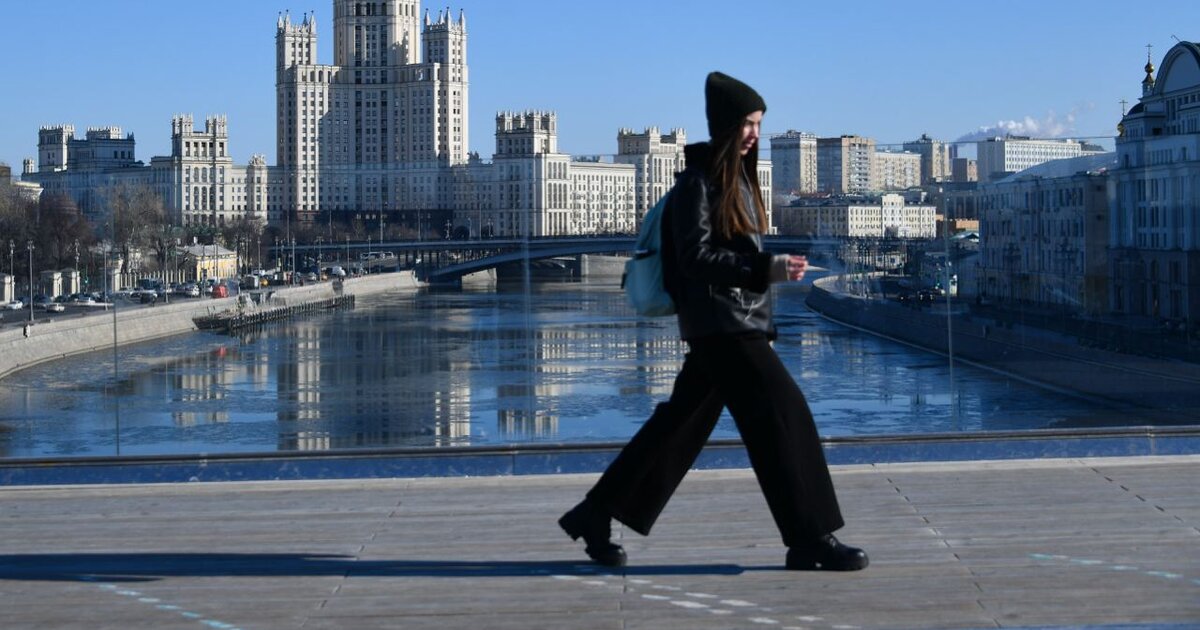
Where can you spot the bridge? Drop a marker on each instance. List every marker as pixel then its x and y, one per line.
pixel 447 261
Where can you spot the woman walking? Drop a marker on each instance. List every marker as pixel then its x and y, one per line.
pixel 719 278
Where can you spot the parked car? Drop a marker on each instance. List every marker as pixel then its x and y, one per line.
pixel 929 294
pixel 15 305
pixel 190 289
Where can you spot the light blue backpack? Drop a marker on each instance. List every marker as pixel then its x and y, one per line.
pixel 643 279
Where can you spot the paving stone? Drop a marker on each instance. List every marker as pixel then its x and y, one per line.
pixel 957 544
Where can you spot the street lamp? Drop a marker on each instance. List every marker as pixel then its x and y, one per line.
pixel 78 277
pixel 29 246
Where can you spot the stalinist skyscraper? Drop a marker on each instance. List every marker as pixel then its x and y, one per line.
pixel 377 131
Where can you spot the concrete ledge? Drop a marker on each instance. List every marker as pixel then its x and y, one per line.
pixel 529 460
pixel 1040 357
pixel 57 338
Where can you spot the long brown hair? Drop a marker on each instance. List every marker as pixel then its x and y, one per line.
pixel 726 166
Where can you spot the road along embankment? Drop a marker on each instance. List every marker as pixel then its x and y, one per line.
pixel 55 337
pixel 1048 359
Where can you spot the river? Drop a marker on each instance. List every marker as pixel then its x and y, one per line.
pixel 560 362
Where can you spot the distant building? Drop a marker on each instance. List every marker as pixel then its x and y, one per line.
pixel 935 158
pixel 1155 185
pixel 1044 235
pixel 656 159
pixel 381 136
pixel 1001 156
pixel 5 174
pixel 887 216
pixel 845 165
pixel 794 156
pixel 208 261
pixel 956 204
pixel 198 183
pixel 896 171
pixel 964 170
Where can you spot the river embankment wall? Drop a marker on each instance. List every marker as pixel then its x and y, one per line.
pixel 51 337
pixel 1045 358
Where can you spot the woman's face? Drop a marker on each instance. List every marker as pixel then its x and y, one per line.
pixel 751 126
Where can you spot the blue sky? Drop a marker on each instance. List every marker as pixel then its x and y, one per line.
pixel 887 70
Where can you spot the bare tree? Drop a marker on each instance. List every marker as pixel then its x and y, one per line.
pixel 245 235
pixel 136 217
pixel 61 232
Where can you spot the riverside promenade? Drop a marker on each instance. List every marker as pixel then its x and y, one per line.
pixel 1109 542
pixel 52 337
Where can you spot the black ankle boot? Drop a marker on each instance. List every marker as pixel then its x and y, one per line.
pixel 595 527
pixel 827 554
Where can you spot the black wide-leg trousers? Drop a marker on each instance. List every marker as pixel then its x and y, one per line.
pixel 744 374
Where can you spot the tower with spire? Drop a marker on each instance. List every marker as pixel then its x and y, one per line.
pixel 375 133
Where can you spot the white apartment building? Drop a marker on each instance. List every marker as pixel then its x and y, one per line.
pixel 1155 186
pixel 935 158
pixel 998 157
pixel 794 156
pixel 198 183
pixel 377 131
pixel 896 171
pixel 531 188
pixel 888 216
pixel 84 169
pixel 656 158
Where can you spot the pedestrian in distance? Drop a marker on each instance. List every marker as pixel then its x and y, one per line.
pixel 719 278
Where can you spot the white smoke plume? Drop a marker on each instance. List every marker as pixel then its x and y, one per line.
pixel 1051 126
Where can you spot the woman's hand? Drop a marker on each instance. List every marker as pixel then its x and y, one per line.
pixel 796 266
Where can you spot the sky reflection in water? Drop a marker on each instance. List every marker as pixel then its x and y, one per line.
pixel 563 363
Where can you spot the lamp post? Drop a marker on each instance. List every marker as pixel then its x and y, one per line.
pixel 29 246
pixel 11 248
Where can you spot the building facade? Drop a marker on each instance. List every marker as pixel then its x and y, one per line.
pixel 885 217
pixel 1155 186
pixel 935 158
pixel 198 182
pixel 964 170
pixel 896 171
pixel 999 157
pixel 794 156
pixel 376 132
pixel 656 159
pixel 845 165
pixel 380 137
pixel 1044 235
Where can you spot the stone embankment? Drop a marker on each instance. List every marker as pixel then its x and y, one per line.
pixel 54 337
pixel 1169 387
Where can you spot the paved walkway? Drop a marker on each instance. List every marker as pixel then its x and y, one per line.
pixel 1043 543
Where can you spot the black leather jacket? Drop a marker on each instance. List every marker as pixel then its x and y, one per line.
pixel 720 285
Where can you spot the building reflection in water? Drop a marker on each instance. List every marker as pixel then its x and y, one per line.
pixel 563 364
